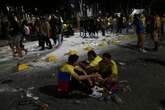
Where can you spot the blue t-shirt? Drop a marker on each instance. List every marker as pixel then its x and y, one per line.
pixel 139 26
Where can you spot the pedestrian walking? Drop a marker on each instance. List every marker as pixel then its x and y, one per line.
pixel 45 28
pixel 16 33
pixel 157 29
pixel 37 27
pixel 139 27
pixel 163 23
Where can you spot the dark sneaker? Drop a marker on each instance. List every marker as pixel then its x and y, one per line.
pixel 41 49
pixel 49 47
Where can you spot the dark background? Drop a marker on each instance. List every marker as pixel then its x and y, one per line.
pixel 107 5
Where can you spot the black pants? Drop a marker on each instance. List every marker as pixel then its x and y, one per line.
pixel 39 39
pixel 103 31
pixel 57 38
pixel 45 39
pixel 54 37
pixel 119 29
pixel 83 86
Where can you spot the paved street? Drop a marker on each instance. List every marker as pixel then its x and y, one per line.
pixel 37 59
pixel 144 71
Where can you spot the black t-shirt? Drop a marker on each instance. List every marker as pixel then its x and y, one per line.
pixel 56 25
pixel 53 24
pixel 16 26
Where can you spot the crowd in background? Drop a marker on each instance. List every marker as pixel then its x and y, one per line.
pixel 29 27
pixel 111 24
pixel 18 29
pixel 90 26
pixel 152 25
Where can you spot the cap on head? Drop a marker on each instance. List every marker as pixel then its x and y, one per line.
pixel 73 59
pixel 72 52
pixel 87 49
pixel 92 53
pixel 107 55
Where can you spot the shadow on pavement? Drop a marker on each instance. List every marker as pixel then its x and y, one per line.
pixel 162 102
pixel 51 90
pixel 129 46
pixel 133 47
pixel 162 44
pixel 149 49
pixel 7 81
pixel 153 60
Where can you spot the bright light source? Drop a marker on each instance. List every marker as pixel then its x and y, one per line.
pixel 118 14
pixel 137 11
pixel 7 7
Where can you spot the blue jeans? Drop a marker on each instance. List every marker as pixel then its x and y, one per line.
pixel 59 39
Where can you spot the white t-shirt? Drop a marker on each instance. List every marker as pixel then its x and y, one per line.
pixel 26 30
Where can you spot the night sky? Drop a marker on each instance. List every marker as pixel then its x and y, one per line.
pixel 107 5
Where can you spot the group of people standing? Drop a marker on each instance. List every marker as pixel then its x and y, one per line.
pixel 112 24
pixel 18 29
pixel 151 26
pixel 47 28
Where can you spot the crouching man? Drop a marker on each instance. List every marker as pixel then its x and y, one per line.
pixel 69 77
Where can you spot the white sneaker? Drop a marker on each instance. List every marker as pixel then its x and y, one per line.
pixel 96 94
pixel 97 88
pixel 143 50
